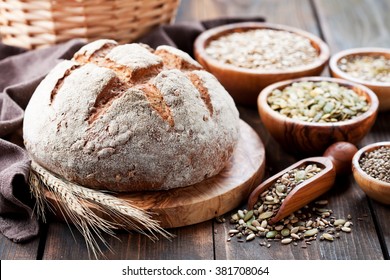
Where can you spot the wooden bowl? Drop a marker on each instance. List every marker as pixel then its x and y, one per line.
pixel 374 188
pixel 312 138
pixel 244 84
pixel 382 90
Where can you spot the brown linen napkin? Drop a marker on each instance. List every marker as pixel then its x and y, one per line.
pixel 20 73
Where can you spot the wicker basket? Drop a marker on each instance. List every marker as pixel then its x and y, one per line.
pixel 36 23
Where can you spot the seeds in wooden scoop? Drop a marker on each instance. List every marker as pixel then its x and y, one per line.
pixel 317 102
pixel 264 49
pixel 302 226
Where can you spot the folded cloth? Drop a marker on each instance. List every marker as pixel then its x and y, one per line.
pixel 20 73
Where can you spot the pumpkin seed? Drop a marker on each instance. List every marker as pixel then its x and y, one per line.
pixel 271 234
pixel 285 232
pixel 300 175
pixel 266 215
pixel 253 228
pixel 317 102
pixel 248 215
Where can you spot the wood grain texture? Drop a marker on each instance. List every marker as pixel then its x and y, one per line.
pixel 358 23
pixel 18 251
pixel 190 243
pixel 296 13
pixel 368 22
pixel 344 197
pixel 355 24
pixel 361 244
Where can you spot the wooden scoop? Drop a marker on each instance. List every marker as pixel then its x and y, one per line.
pixel 337 159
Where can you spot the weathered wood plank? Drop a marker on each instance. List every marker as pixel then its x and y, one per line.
pixel 18 251
pixel 295 13
pixel 365 24
pixel 351 200
pixel 190 243
pixel 196 242
pixel 359 23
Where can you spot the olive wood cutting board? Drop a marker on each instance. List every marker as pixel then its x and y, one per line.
pixel 209 198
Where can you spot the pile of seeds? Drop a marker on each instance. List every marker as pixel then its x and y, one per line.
pixel 376 163
pixel 368 68
pixel 303 225
pixel 318 102
pixel 264 49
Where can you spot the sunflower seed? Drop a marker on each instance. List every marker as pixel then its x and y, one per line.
pixel 339 222
pixel 310 232
pixel 250 237
pixel 286 241
pixel 327 236
pixel 346 229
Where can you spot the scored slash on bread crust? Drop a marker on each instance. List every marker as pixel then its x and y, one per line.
pixel 128 118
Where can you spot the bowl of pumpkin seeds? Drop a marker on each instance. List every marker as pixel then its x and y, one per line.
pixel 307 115
pixel 371 170
pixel 247 57
pixel 367 66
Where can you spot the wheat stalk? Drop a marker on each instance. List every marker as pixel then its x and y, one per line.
pixel 73 203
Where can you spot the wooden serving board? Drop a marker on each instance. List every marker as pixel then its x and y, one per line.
pixel 210 198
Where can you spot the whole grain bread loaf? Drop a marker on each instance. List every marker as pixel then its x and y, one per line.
pixel 130 118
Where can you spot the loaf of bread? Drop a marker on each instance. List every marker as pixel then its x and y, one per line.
pixel 131 118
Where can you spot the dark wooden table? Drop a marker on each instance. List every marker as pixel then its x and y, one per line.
pixel 342 24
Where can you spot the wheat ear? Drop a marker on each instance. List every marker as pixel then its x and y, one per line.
pixel 73 203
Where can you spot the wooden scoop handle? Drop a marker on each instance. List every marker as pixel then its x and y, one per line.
pixel 341 154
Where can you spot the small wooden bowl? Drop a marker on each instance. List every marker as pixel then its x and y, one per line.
pixel 374 188
pixel 244 84
pixel 312 138
pixel 382 90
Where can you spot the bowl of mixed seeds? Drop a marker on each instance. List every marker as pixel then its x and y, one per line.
pixel 367 66
pixel 371 170
pixel 307 115
pixel 247 57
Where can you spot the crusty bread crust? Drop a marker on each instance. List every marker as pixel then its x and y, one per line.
pixel 130 118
